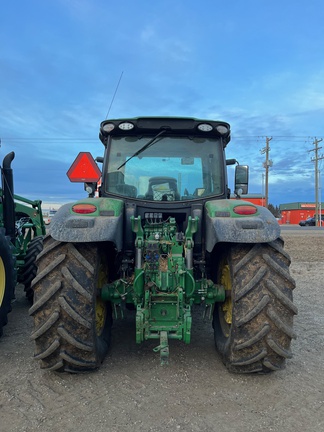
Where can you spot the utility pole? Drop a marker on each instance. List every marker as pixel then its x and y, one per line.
pixel 315 159
pixel 267 164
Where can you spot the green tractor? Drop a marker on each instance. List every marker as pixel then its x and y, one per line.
pixel 21 239
pixel 158 234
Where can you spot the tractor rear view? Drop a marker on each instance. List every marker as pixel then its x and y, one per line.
pixel 21 239
pixel 161 238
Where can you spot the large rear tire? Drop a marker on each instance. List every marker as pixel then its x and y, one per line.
pixel 72 326
pixel 7 279
pixel 253 328
pixel 29 269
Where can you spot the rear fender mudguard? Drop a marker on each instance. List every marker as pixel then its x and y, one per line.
pixel 105 224
pixel 224 225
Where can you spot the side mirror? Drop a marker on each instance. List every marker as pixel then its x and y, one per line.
pixel 241 179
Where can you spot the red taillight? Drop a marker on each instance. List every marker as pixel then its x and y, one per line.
pixel 245 210
pixel 84 208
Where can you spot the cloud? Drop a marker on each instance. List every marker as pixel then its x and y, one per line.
pixel 45 179
pixel 147 34
pixel 81 10
pixel 166 49
pixel 60 67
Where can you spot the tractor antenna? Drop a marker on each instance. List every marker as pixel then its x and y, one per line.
pixel 113 98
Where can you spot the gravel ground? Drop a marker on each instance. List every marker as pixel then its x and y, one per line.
pixel 132 392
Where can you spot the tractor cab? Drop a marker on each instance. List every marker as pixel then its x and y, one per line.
pixel 159 159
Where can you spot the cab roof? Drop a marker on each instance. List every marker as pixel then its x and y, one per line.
pixel 172 126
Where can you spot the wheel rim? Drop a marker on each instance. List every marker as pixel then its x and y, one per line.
pixel 2 281
pixel 100 315
pixel 225 309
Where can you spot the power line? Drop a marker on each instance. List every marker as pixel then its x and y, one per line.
pixel 48 139
pixel 274 137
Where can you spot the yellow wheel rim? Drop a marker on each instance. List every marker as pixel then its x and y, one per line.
pixel 225 309
pixel 2 281
pixel 227 305
pixel 100 315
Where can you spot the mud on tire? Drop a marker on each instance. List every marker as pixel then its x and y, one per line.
pixel 29 269
pixel 255 334
pixel 64 310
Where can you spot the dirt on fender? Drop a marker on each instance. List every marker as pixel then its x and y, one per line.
pixel 195 392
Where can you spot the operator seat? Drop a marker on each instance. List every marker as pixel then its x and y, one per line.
pixel 113 179
pixel 162 189
pixel 115 183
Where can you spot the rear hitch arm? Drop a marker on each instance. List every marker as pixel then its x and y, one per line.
pixel 163 348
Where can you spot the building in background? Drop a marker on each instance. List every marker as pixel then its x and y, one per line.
pixel 49 210
pixel 293 213
pixel 254 198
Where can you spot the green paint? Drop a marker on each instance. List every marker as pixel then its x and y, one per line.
pixel 224 208
pixel 105 206
pixel 162 288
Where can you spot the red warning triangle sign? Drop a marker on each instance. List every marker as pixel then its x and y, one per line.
pixel 84 169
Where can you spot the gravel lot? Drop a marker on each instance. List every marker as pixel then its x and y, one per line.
pixel 132 392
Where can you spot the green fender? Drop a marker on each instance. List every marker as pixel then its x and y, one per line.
pixel 224 225
pixel 104 224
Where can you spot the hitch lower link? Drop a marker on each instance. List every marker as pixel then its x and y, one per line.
pixel 163 348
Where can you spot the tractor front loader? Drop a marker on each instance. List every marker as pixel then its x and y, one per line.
pixel 21 239
pixel 160 236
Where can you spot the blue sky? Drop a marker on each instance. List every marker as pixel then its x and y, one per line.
pixel 255 64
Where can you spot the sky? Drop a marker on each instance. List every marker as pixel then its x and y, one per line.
pixel 67 64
